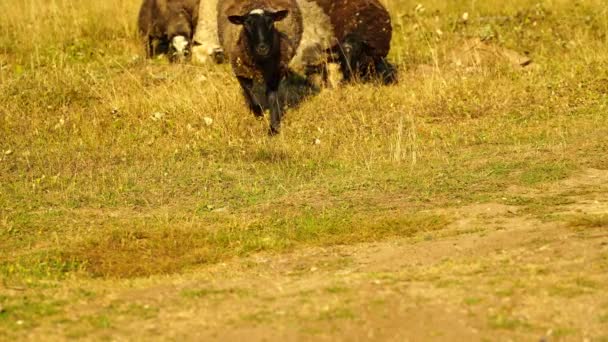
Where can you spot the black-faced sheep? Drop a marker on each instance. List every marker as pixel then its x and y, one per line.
pixel 260 38
pixel 363 31
pixel 167 26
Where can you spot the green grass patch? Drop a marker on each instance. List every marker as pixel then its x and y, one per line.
pixel 588 221
pixel 507 322
pixel 333 314
pixel 549 172
pixel 337 289
pixel 25 312
pixel 51 265
pixel 472 301
pixel 154 247
pixel 563 332
pixel 204 293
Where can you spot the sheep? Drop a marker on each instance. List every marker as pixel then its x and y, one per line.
pixel 206 45
pixel 317 37
pixel 260 38
pixel 363 31
pixel 167 26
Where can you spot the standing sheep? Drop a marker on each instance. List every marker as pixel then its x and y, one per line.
pixel 167 26
pixel 260 38
pixel 363 30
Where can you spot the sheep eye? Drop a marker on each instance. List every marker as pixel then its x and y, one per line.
pixel 248 26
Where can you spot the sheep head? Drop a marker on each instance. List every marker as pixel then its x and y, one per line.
pixel 260 34
pixel 179 31
pixel 350 51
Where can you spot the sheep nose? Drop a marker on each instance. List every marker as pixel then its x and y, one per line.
pixel 262 49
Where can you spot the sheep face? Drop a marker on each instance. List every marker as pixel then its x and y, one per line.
pixel 350 51
pixel 179 32
pixel 260 33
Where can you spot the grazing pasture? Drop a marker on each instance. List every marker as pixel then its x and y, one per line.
pixel 141 199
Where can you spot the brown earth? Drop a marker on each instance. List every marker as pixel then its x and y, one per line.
pixel 497 273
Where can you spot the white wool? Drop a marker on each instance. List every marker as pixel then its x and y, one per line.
pixel 257 11
pixel 318 34
pixel 206 33
pixel 179 43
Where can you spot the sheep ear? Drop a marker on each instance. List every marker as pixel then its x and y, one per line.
pixel 279 15
pixel 237 19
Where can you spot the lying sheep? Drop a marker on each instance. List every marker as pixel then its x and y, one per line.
pixel 363 31
pixel 167 26
pixel 260 38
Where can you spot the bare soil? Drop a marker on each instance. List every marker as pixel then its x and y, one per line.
pixel 497 273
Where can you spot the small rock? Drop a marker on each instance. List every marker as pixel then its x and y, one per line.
pixel 156 116
pixel 317 141
pixel 313 269
pixel 8 152
pixel 465 16
pixel 60 124
pixel 20 322
pixel 208 121
pixel 516 58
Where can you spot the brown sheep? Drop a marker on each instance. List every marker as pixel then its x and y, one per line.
pixel 260 37
pixel 363 30
pixel 167 26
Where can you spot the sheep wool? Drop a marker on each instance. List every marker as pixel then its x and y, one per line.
pixel 206 37
pixel 317 37
pixel 367 18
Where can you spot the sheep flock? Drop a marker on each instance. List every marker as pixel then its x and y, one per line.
pixel 327 42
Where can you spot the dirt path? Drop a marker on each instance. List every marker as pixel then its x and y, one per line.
pixel 499 272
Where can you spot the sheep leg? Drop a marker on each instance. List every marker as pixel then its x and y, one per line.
pixel 149 47
pixel 387 72
pixel 276 112
pixel 247 88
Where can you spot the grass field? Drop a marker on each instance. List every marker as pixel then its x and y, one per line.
pixel 141 200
